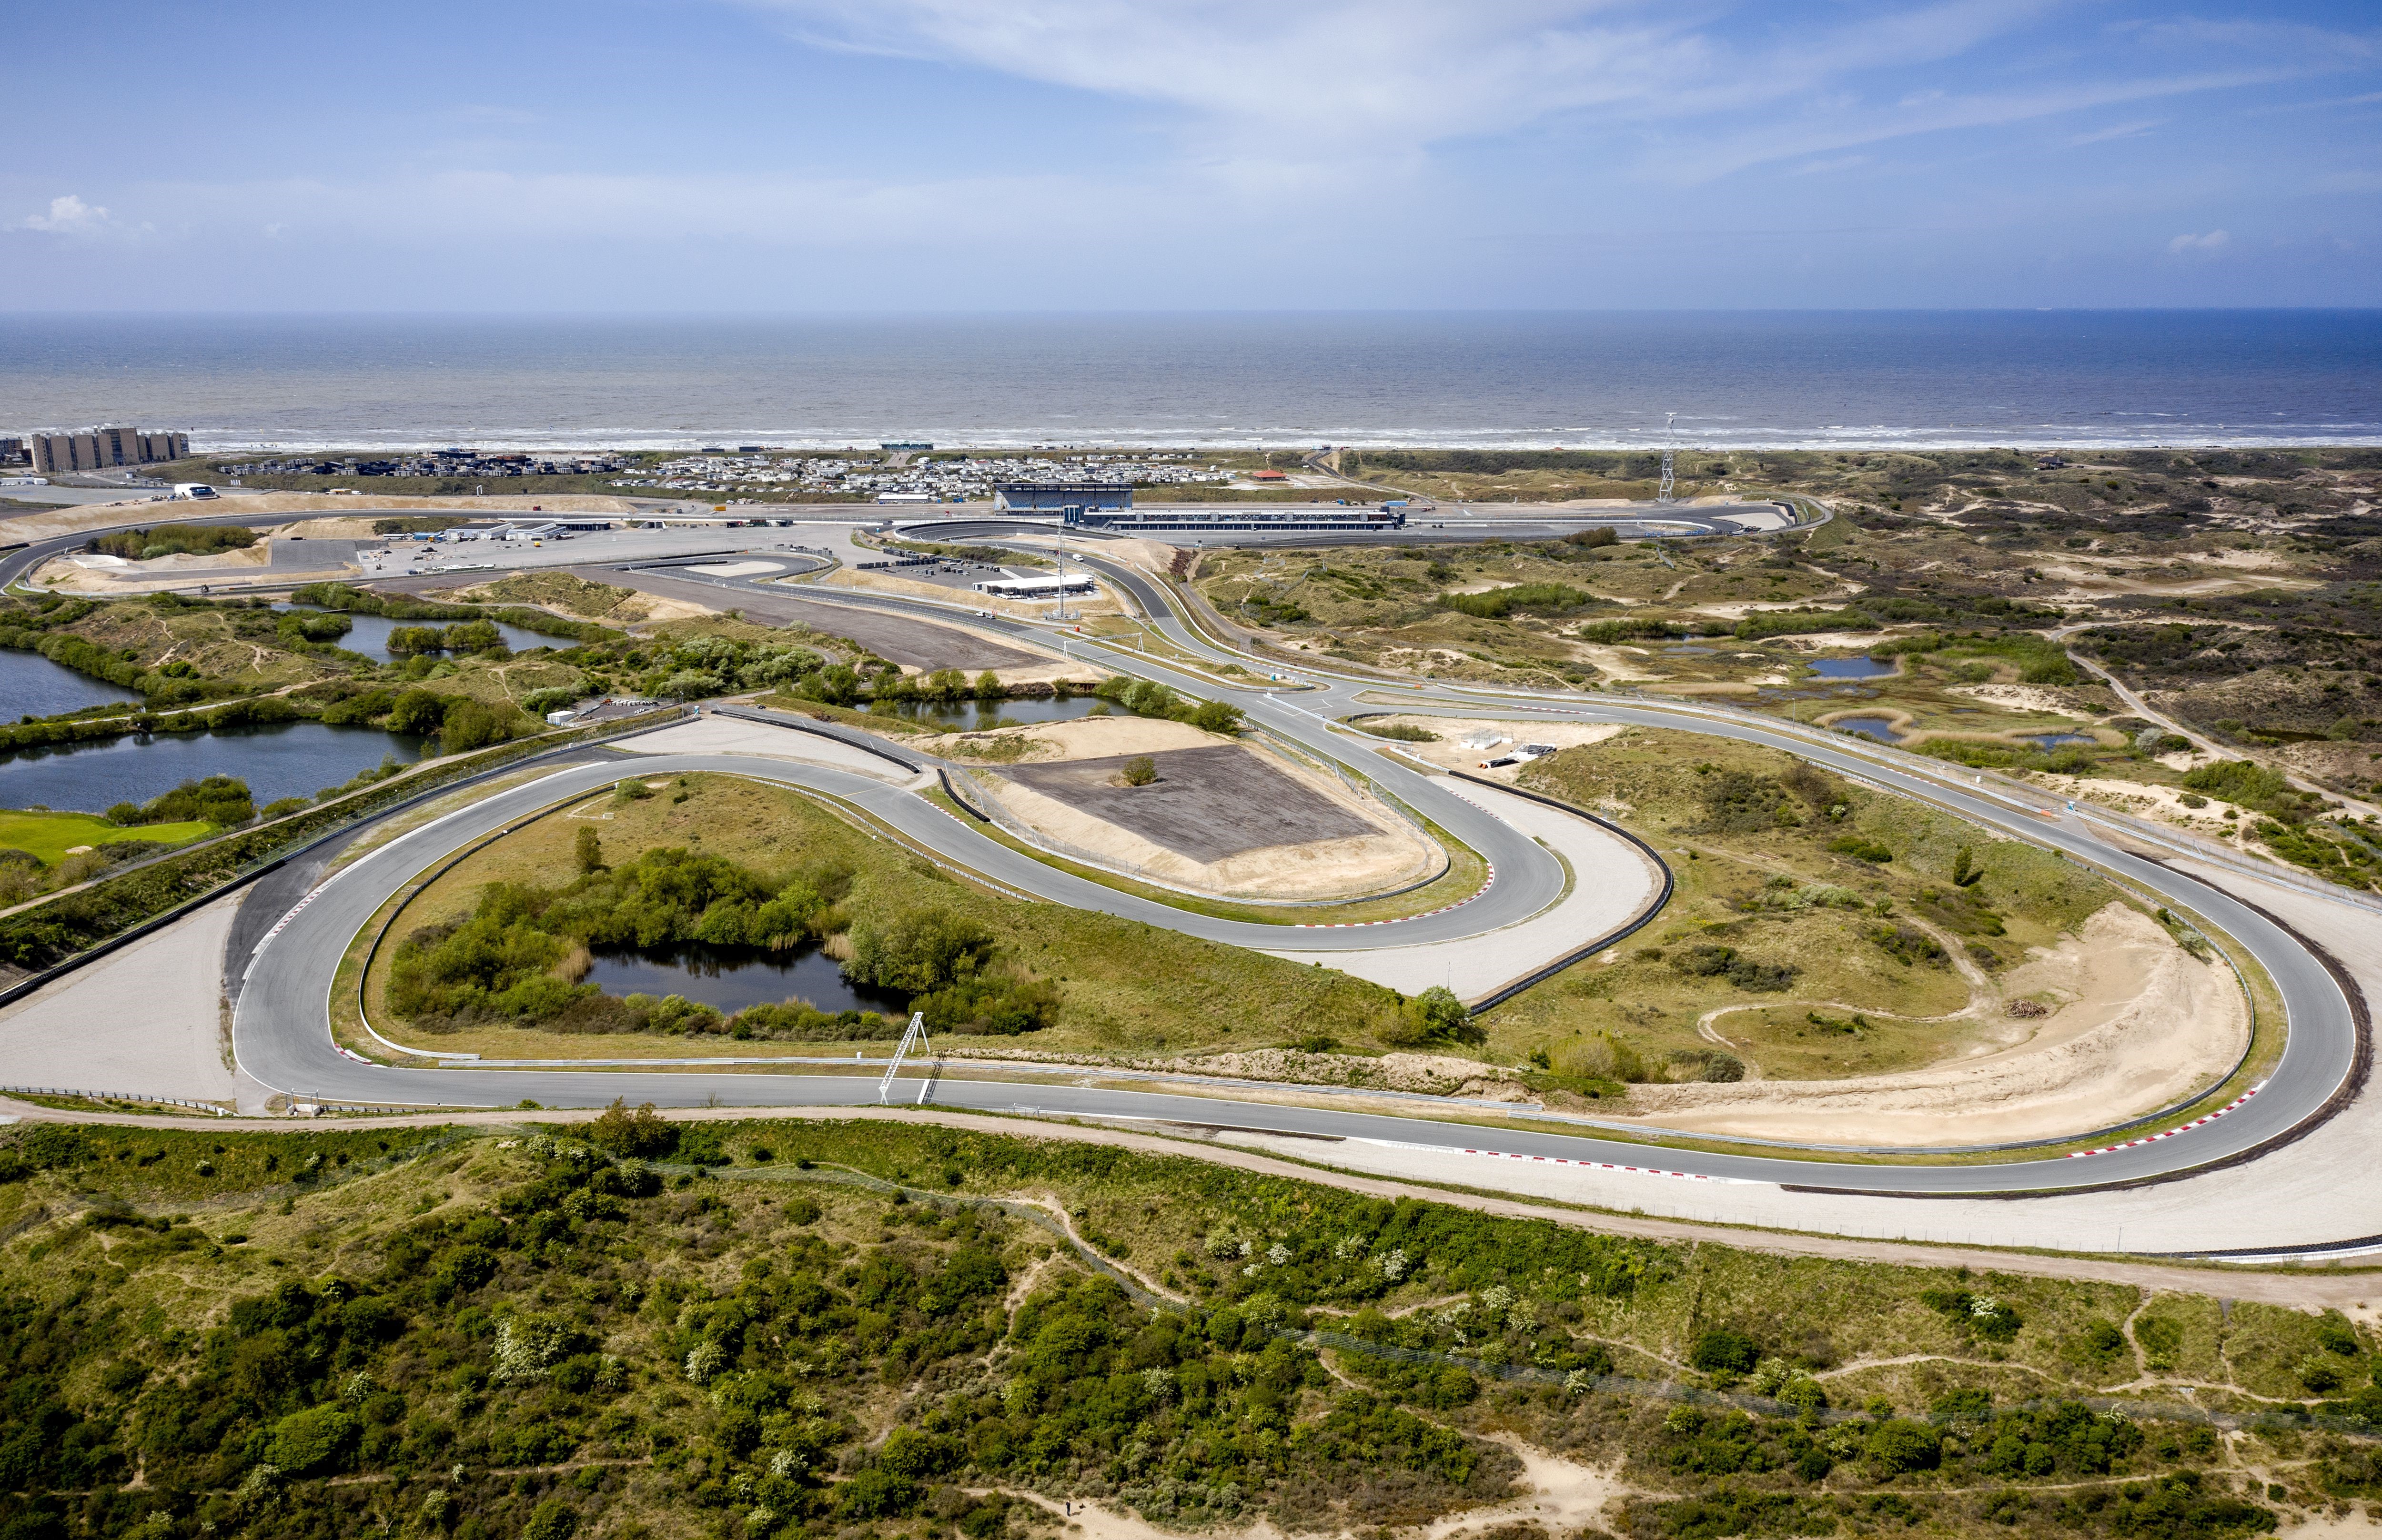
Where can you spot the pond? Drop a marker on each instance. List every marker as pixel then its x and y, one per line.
pixel 1878 727
pixel 369 633
pixel 2059 741
pixel 285 759
pixel 975 715
pixel 1850 668
pixel 31 685
pixel 727 979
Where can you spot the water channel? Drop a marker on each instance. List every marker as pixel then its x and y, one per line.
pixel 728 978
pixel 978 715
pixel 1850 668
pixel 283 759
pixel 31 685
pixel 368 634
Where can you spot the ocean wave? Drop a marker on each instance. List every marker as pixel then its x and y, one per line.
pixel 1916 439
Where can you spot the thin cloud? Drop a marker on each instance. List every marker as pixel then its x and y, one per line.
pixel 2121 130
pixel 1263 91
pixel 2206 245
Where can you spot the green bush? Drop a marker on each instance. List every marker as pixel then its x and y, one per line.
pixel 1900 1443
pixel 1434 1016
pixel 1536 598
pixel 2250 785
pixel 1708 960
pixel 1720 1351
pixel 918 950
pixel 219 799
pixel 172 540
pixel 315 1440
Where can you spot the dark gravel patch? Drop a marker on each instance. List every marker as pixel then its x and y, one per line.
pixel 1206 804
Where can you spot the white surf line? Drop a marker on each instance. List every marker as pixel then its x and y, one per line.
pixel 2170 1134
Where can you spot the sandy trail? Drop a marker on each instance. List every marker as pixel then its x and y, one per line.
pixel 2141 1025
pixel 1561 1495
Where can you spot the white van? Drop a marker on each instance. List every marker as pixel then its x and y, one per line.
pixel 196 492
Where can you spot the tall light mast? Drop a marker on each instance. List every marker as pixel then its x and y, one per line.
pixel 1670 454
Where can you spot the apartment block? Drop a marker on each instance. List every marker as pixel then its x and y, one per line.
pixel 107 448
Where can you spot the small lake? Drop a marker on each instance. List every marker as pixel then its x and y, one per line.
pixel 369 633
pixel 1850 668
pixel 727 979
pixel 31 685
pixel 2059 741
pixel 975 715
pixel 1879 727
pixel 285 759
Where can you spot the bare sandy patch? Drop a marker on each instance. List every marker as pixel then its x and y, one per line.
pixel 1083 676
pixel 1617 664
pixel 329 529
pixel 1821 642
pixel 2331 1526
pixel 2019 697
pixel 102 575
pixel 1086 737
pixel 1455 732
pixel 1150 555
pixel 1562 1497
pixel 1737 609
pixel 2137 796
pixel 2138 1024
pixel 2255 561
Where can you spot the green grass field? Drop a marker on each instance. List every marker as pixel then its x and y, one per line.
pixel 50 836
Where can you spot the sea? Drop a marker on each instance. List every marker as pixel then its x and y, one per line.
pixel 1491 380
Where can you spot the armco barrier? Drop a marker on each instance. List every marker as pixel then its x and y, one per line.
pixel 113 1097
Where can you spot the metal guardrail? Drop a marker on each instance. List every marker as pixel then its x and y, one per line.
pixel 114 1096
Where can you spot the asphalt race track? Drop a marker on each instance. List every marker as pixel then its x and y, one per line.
pixel 281 1032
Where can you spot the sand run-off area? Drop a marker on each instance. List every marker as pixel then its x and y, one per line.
pixel 2141 1025
pixel 1224 819
pixel 1456 732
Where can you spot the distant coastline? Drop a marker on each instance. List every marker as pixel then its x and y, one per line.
pixel 1589 381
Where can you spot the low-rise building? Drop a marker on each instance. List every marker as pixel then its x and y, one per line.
pixel 1055 496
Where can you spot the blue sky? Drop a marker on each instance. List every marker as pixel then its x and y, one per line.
pixel 651 155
